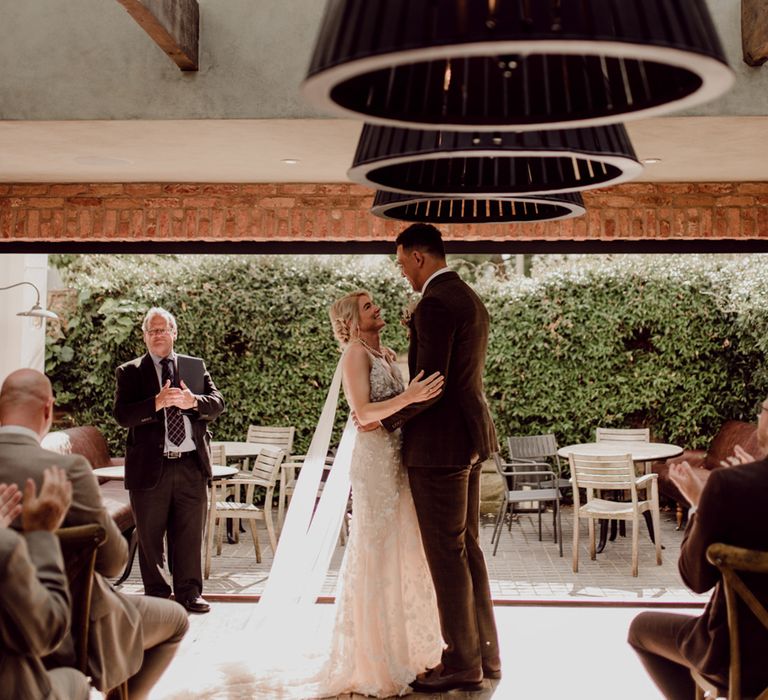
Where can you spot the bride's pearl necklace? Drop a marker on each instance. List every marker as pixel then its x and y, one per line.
pixel 377 353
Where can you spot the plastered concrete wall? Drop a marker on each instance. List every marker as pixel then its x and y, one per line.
pixel 87 59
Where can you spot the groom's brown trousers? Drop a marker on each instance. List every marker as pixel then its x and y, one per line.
pixel 447 501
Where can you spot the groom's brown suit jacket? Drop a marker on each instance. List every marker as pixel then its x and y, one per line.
pixel 449 334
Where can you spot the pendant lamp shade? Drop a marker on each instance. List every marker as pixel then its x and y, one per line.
pixel 448 210
pixel 464 164
pixel 515 64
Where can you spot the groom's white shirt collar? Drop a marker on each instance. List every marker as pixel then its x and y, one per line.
pixel 432 276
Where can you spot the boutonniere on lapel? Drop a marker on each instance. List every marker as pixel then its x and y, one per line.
pixel 406 319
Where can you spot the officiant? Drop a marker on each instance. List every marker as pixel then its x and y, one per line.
pixel 166 401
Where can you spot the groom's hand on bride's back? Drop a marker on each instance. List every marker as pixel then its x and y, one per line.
pixel 364 427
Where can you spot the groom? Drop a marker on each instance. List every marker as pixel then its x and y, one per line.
pixel 445 441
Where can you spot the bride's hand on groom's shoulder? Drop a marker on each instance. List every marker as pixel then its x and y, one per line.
pixel 423 389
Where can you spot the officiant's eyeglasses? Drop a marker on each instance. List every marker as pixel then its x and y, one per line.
pixel 156 332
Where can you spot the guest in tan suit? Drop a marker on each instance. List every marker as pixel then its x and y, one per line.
pixel 445 441
pixel 34 597
pixel 727 506
pixel 131 637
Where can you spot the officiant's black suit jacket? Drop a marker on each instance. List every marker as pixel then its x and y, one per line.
pixel 137 386
pixel 449 334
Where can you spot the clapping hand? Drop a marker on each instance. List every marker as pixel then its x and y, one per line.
pixel 689 481
pixel 46 511
pixel 10 503
pixel 739 456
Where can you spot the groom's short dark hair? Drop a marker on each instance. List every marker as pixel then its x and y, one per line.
pixel 426 237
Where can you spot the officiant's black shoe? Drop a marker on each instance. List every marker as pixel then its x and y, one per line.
pixel 197 605
pixel 442 681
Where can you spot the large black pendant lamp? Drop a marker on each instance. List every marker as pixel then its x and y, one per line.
pixel 517 64
pixel 461 163
pixel 448 210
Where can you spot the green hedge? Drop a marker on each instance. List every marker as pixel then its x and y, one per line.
pixel 260 323
pixel 677 344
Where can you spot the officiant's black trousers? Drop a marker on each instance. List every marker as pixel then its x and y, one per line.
pixel 176 506
pixel 447 501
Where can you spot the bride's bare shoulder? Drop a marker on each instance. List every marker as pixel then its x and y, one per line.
pixel 355 354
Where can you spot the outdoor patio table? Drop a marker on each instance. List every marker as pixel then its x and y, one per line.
pixel 236 450
pixel 644 452
pixel 218 471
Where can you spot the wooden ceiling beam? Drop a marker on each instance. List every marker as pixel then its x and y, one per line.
pixel 174 25
pixel 754 31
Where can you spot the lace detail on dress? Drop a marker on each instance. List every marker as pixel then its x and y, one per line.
pixel 387 628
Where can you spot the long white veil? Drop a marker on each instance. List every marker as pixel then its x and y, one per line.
pixel 281 649
pixel 310 533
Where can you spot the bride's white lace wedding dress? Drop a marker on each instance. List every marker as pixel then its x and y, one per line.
pixel 385 627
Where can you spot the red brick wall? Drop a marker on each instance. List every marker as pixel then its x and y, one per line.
pixel 320 213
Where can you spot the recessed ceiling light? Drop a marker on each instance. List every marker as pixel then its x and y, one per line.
pixel 290 161
pixel 651 161
pixel 101 161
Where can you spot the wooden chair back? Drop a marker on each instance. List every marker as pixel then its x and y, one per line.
pixel 281 437
pixel 731 561
pixel 622 435
pixel 606 472
pixel 79 545
pixel 218 455
pixel 266 467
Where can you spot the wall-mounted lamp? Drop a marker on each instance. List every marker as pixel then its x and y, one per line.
pixel 36 311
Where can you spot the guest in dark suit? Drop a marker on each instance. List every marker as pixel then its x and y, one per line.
pixel 130 637
pixel 445 441
pixel 166 401
pixel 35 607
pixel 727 505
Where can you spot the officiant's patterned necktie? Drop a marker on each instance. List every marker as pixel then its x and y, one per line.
pixel 173 417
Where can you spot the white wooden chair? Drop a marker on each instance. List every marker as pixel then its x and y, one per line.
pixel 622 435
pixel 739 600
pixel 278 436
pixel 265 472
pixel 616 473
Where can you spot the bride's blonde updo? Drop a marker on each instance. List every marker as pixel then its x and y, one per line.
pixel 345 316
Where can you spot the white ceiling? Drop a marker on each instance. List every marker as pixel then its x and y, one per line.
pixel 692 149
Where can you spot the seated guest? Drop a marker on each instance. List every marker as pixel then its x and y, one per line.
pixel 727 506
pixel 34 597
pixel 131 638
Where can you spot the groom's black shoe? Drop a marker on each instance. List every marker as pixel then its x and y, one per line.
pixel 440 680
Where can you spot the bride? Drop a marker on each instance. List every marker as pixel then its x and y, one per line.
pixel 385 627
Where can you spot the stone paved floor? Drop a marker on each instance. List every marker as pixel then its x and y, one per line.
pixel 523 569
